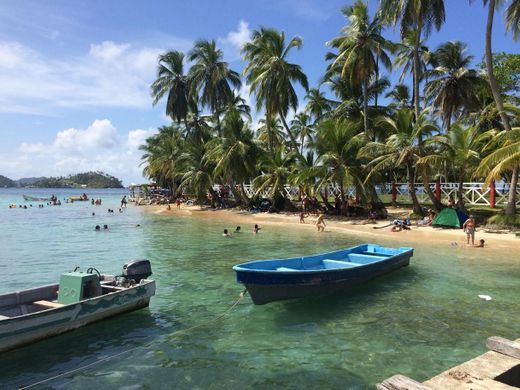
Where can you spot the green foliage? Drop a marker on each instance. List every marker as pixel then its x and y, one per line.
pixel 506 67
pixel 89 179
pixel 505 221
pixel 6 182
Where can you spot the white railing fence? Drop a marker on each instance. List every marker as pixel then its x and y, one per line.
pixel 473 193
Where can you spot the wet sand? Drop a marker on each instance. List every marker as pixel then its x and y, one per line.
pixel 364 228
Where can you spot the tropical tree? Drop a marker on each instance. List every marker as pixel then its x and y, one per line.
pixel 211 77
pixel 196 173
pixel 460 149
pixel 418 15
pixel 271 77
pixel 234 154
pixel 270 132
pixel 401 148
pixel 337 144
pixel 360 49
pixel 172 81
pixel 317 104
pixel 512 23
pixel 160 156
pixel 452 88
pixel 400 96
pixel 302 128
pixel 276 167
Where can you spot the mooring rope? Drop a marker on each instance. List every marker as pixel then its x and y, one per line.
pixel 104 359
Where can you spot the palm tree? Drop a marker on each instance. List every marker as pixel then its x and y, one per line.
pixel 512 18
pixel 453 86
pixel 317 104
pixel 212 77
pixel 460 149
pixel 171 80
pixel 401 148
pixel 276 168
pixel 271 77
pixel 196 173
pixel 337 145
pixel 302 128
pixel 360 48
pixel 418 15
pixel 270 132
pixel 505 156
pixel 235 153
pixel 400 96
pixel 238 103
pixel 160 156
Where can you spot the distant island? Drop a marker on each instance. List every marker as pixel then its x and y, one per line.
pixel 79 180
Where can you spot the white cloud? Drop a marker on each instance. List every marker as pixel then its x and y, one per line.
pixel 232 43
pixel 99 147
pixel 109 74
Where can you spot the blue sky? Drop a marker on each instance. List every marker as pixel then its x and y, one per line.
pixel 75 75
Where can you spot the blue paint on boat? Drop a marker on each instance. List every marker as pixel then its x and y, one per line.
pixel 297 277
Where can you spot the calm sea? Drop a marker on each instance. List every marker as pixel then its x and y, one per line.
pixel 417 321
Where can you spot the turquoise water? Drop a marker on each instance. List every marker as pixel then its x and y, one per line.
pixel 417 321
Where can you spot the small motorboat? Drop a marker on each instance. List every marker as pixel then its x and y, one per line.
pixel 79 299
pixel 29 198
pixel 279 279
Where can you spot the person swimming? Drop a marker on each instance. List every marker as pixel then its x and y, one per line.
pixel 226 233
pixel 256 229
pixel 237 230
pixel 97 228
pixel 105 227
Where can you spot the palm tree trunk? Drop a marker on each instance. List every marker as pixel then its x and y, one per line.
pixel 411 188
pixel 365 105
pixel 511 201
pixel 289 132
pixel 416 74
pixel 437 205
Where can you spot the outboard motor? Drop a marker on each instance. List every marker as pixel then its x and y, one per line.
pixel 137 270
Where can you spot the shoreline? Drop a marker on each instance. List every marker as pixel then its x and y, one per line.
pixel 376 229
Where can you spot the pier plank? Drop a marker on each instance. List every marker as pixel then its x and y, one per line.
pixel 401 382
pixel 504 346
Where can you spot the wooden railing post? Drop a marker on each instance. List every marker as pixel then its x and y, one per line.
pixel 492 194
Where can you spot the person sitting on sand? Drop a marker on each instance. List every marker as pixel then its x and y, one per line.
pixel 320 222
pixel 427 221
pixel 398 225
pixel 256 229
pixel 226 233
pixel 469 229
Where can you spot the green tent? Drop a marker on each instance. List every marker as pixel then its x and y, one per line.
pixel 449 217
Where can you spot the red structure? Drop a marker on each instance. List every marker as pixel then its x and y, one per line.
pixel 492 194
pixel 438 189
pixel 394 192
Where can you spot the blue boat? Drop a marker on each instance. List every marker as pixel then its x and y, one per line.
pixel 297 277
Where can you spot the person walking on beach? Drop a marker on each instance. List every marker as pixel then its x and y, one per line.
pixel 469 229
pixel 302 217
pixel 320 222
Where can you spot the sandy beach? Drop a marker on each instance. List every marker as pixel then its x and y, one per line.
pixel 369 229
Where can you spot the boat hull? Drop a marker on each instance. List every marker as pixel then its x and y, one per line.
pixel 280 283
pixel 316 284
pixel 26 329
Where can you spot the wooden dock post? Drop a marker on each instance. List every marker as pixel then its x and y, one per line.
pixel 503 346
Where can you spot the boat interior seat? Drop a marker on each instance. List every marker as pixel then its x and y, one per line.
pixel 48 304
pixel 333 264
pixel 364 259
pixel 285 269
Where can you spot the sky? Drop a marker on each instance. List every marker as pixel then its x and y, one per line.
pixel 75 75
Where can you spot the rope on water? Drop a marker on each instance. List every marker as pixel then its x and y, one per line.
pixel 104 359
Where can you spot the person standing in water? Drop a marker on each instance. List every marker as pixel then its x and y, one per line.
pixel 320 222
pixel 469 229
pixel 123 202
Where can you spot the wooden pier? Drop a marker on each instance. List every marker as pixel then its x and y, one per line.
pixel 499 368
